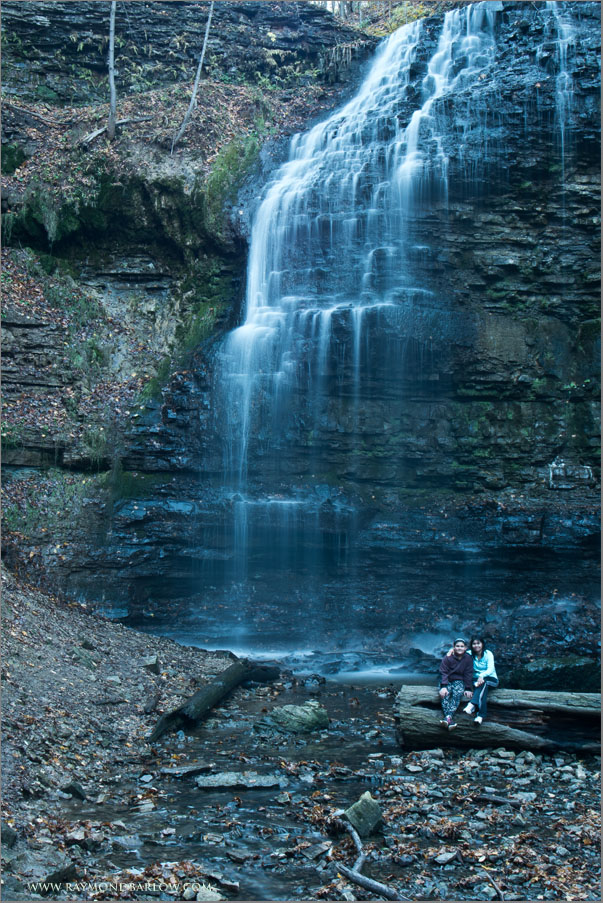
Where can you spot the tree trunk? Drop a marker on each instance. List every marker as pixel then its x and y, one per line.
pixel 196 85
pixel 202 702
pixel 113 100
pixel 517 719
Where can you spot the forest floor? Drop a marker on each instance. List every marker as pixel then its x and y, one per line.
pixel 90 806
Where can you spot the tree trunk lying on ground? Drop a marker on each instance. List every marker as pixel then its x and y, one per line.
pixel 202 702
pixel 517 719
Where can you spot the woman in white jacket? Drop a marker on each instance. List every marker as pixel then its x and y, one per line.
pixel 484 678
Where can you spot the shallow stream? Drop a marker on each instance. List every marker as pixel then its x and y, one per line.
pixel 248 835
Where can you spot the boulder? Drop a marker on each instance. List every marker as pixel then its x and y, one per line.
pixel 297 719
pixel 151 663
pixel 68 872
pixel 84 658
pixel 364 815
pixel 566 672
pixel 8 834
pixel 208 893
pixel 75 789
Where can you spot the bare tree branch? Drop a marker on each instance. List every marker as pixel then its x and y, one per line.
pixel 501 896
pixel 89 138
pixel 353 874
pixel 196 85
pixel 113 103
pixel 357 867
pixel 368 884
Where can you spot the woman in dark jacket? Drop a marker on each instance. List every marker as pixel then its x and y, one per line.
pixel 456 681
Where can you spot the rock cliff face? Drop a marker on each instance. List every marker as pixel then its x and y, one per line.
pixel 57 51
pixel 488 443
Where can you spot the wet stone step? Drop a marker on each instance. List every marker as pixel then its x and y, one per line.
pixel 241 780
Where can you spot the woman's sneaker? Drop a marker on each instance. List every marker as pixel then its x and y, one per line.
pixel 478 719
pixel 469 708
pixel 447 721
pixel 451 724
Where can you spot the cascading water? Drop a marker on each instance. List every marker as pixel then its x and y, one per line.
pixel 331 262
pixel 330 243
pixel 565 42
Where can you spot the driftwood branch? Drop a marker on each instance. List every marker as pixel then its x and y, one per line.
pixel 203 701
pixel 357 867
pixel 354 874
pixel 89 138
pixel 499 892
pixel 368 884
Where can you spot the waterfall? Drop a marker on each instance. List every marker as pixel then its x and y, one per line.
pixel 330 243
pixel 331 263
pixel 346 296
pixel 565 42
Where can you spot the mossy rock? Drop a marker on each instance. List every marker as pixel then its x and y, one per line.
pixel 297 719
pixel 12 157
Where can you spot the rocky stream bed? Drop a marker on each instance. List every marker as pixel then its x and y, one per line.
pixel 241 810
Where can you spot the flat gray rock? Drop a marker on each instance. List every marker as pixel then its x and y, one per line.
pixel 187 771
pixel 239 780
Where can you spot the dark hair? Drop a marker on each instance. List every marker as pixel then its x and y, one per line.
pixel 479 639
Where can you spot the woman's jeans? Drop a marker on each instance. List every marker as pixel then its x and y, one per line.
pixel 450 703
pixel 480 695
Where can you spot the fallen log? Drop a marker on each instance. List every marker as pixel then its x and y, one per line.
pixel 587 705
pixel 517 719
pixel 24 113
pixel 203 701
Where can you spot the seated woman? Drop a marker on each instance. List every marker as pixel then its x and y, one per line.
pixel 484 678
pixel 456 673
